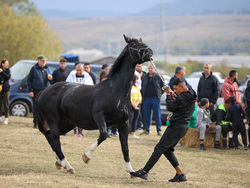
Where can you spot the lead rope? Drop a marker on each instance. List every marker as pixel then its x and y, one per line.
pixel 162 79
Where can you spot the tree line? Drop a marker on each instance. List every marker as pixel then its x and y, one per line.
pixel 25 34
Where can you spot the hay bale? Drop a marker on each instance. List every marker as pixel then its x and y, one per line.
pixel 192 139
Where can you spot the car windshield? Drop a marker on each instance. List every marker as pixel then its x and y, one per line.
pixel 20 70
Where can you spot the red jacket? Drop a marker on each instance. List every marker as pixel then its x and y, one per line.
pixel 229 89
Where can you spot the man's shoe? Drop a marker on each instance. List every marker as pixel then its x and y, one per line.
pixel 159 133
pixel 145 133
pixel 231 145
pixel 140 174
pixel 246 148
pixel 217 146
pixel 178 178
pixel 202 147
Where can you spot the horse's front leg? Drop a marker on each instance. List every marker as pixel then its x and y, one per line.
pixel 101 124
pixel 123 135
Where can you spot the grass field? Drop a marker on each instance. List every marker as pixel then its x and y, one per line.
pixel 26 160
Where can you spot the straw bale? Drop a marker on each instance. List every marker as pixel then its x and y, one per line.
pixel 192 139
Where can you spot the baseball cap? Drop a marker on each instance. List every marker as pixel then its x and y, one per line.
pixel 42 57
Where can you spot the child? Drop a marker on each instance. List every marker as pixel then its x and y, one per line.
pixel 236 114
pixel 136 99
pixel 205 125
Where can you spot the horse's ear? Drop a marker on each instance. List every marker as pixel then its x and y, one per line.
pixel 140 40
pixel 127 39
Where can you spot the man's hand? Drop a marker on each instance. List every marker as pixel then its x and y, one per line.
pixel 168 90
pixel 211 126
pixel 50 77
pixel 31 94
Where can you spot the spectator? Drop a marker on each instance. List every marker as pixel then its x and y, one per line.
pixel 230 87
pixel 39 78
pixel 105 67
pixel 135 101
pixel 138 69
pixel 246 100
pixel 180 72
pixel 62 73
pixel 220 118
pixel 236 114
pixel 208 87
pixel 205 125
pixel 182 107
pixel 5 89
pixel 80 77
pixel 103 75
pixel 93 75
pixel 151 93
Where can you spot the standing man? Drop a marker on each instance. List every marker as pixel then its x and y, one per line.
pixel 38 80
pixel 62 73
pixel 151 96
pixel 208 87
pixel 81 77
pixel 180 72
pixel 182 105
pixel 93 75
pixel 230 87
pixel 140 73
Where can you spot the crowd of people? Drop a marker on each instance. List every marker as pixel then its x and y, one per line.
pixel 147 89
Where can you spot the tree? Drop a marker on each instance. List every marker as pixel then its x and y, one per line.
pixel 25 34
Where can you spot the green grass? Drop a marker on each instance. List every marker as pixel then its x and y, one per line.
pixel 26 160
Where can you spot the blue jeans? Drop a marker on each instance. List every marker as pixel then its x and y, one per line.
pixel 150 104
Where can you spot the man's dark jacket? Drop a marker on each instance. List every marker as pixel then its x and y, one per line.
pixel 208 88
pixel 182 107
pixel 157 82
pixel 38 78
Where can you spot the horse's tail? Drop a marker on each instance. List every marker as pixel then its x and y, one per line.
pixel 39 117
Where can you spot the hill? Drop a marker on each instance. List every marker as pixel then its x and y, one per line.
pixel 204 34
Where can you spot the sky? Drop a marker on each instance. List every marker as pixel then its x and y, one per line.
pixel 119 6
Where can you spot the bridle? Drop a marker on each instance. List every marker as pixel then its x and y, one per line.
pixel 140 57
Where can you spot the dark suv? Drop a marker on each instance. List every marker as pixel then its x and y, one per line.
pixel 20 102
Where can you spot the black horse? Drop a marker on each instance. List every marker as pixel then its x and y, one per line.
pixel 63 105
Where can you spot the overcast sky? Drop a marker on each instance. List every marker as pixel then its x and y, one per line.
pixel 129 6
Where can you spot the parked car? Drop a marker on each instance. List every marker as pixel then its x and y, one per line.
pixel 20 103
pixel 194 78
pixel 164 110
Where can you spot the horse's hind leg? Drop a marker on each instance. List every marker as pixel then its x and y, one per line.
pixel 53 137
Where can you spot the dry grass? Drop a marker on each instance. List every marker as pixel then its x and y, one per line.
pixel 26 160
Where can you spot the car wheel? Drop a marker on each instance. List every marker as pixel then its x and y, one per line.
pixel 19 108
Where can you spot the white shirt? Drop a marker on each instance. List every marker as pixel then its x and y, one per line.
pixel 139 80
pixel 86 80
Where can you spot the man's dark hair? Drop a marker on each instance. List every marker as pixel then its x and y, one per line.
pixel 63 60
pixel 227 101
pixel 204 101
pixel 178 80
pixel 77 63
pixel 232 99
pixel 232 73
pixel 104 66
pixel 86 64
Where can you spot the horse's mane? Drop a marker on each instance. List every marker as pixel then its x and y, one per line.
pixel 117 63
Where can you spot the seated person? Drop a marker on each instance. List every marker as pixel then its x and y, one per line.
pixel 219 117
pixel 205 125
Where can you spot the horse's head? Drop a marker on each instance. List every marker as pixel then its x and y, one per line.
pixel 138 51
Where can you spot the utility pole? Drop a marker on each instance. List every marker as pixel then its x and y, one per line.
pixel 162 40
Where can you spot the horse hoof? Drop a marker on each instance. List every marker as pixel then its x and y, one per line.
pixel 71 171
pixel 85 159
pixel 58 165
